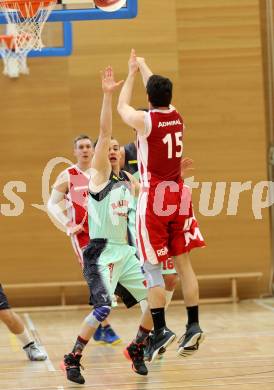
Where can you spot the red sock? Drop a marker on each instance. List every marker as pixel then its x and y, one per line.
pixel 142 334
pixel 79 345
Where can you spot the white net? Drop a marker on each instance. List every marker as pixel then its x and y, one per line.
pixel 25 22
pixel 15 63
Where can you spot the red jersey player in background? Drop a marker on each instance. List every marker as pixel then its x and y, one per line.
pixel 166 225
pixel 72 185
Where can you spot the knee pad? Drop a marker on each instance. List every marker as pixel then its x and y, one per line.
pixel 98 315
pixel 101 312
pixel 153 275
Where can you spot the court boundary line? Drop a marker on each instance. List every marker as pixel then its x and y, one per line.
pixel 35 334
pixel 264 305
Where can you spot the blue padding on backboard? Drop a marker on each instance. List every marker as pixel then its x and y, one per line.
pixel 62 51
pixel 67 15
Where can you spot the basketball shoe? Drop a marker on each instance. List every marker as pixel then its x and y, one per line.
pixel 158 342
pixel 106 335
pixel 97 336
pixel 135 353
pixel 109 336
pixel 71 364
pixel 190 341
pixel 33 352
pixel 146 351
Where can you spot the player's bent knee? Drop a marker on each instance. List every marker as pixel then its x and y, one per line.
pixel 153 275
pixel 170 281
pixel 98 315
pixel 101 313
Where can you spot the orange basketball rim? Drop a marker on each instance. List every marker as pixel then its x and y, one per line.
pixel 26 8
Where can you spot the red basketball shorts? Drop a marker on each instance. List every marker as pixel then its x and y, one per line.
pixel 79 243
pixel 165 222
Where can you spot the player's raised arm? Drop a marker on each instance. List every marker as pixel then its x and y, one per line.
pixel 144 70
pixel 100 161
pixel 129 115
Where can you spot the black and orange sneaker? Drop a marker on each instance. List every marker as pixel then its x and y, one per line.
pixel 135 353
pixel 71 364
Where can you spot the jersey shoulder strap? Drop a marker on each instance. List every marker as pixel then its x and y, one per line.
pixel 114 180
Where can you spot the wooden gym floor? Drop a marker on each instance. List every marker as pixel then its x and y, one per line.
pixel 238 353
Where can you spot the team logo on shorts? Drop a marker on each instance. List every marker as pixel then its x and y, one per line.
pixel 162 252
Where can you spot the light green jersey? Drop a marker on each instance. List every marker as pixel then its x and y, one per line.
pixel 108 210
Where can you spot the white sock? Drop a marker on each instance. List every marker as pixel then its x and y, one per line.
pixel 24 337
pixel 169 295
pixel 143 305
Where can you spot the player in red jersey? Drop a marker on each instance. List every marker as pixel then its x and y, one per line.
pixel 166 225
pixel 72 185
pixel 130 164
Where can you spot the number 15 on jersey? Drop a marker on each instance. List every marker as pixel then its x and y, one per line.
pixel 179 144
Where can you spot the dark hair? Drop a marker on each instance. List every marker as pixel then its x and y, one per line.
pixel 159 90
pixel 81 136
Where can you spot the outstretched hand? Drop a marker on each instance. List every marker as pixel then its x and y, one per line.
pixel 140 61
pixel 133 65
pixel 73 229
pixel 108 82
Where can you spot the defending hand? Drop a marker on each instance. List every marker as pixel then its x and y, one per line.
pixel 108 82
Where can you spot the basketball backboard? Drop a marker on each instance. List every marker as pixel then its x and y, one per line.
pixel 73 10
pixel 24 21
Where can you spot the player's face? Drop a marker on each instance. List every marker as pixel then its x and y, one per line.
pixel 84 150
pixel 114 153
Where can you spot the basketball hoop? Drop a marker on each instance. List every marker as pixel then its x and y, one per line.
pixel 14 63
pixel 25 22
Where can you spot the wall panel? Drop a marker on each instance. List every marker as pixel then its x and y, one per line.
pixel 212 51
